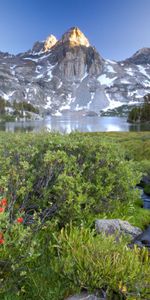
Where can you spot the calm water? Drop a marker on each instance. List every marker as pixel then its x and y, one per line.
pixel 69 123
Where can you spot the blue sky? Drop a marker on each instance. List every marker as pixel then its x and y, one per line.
pixel 117 28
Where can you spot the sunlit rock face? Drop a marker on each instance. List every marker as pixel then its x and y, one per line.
pixel 75 38
pixel 50 42
pixel 76 57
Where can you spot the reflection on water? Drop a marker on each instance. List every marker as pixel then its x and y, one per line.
pixel 69 123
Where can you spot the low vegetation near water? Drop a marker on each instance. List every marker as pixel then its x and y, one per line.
pixel 53 187
pixel 141 114
pixel 16 110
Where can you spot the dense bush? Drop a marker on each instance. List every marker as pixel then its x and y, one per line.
pixel 67 177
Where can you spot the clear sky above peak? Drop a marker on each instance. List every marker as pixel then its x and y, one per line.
pixel 117 28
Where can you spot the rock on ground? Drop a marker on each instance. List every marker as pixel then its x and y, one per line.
pixel 85 296
pixel 113 226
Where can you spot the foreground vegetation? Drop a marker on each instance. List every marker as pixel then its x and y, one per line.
pixel 53 187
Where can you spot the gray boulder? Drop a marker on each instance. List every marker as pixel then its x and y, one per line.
pixel 85 296
pixel 116 226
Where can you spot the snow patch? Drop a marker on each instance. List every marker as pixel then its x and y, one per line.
pixel 57 114
pixel 112 103
pixel 13 67
pixel 104 80
pixel 7 96
pixel 49 71
pixel 143 71
pixel 38 68
pixel 124 81
pixel 129 71
pixel 85 75
pixel 49 102
pixel 60 85
pixel 64 107
pixel 108 61
pixel 39 76
pixel 92 95
pixel 37 59
pixel 110 69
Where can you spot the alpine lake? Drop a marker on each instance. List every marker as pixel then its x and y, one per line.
pixel 68 123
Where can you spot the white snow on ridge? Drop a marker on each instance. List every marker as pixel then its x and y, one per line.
pixel 37 59
pixel 110 69
pixel 104 80
pixel 111 61
pixel 112 103
pixel 7 96
pixel 143 71
pixel 60 85
pixel 13 67
pixel 146 83
pixel 124 81
pixel 49 71
pixel 70 100
pixel 129 71
pixel 48 104
pixel 65 107
pixel 133 102
pixel 38 68
pixel 57 114
pixel 92 95
pixel 39 76
pixel 85 75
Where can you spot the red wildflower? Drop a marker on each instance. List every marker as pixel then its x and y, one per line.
pixel 1 209
pixel 1 241
pixel 3 202
pixel 20 220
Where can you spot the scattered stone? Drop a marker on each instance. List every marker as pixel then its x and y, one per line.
pixel 116 226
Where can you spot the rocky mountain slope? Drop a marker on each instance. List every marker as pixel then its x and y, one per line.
pixel 69 74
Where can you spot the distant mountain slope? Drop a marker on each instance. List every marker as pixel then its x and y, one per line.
pixel 69 74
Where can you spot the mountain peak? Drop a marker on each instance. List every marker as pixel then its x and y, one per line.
pixel 50 42
pixel 142 51
pixel 75 37
pixel 142 56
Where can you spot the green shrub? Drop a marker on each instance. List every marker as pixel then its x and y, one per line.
pixel 95 262
pixel 74 178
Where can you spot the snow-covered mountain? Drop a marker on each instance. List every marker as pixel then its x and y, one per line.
pixel 69 74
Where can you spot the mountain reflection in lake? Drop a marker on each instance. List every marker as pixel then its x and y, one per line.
pixel 69 123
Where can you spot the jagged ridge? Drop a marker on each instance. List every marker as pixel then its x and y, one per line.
pixel 69 73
